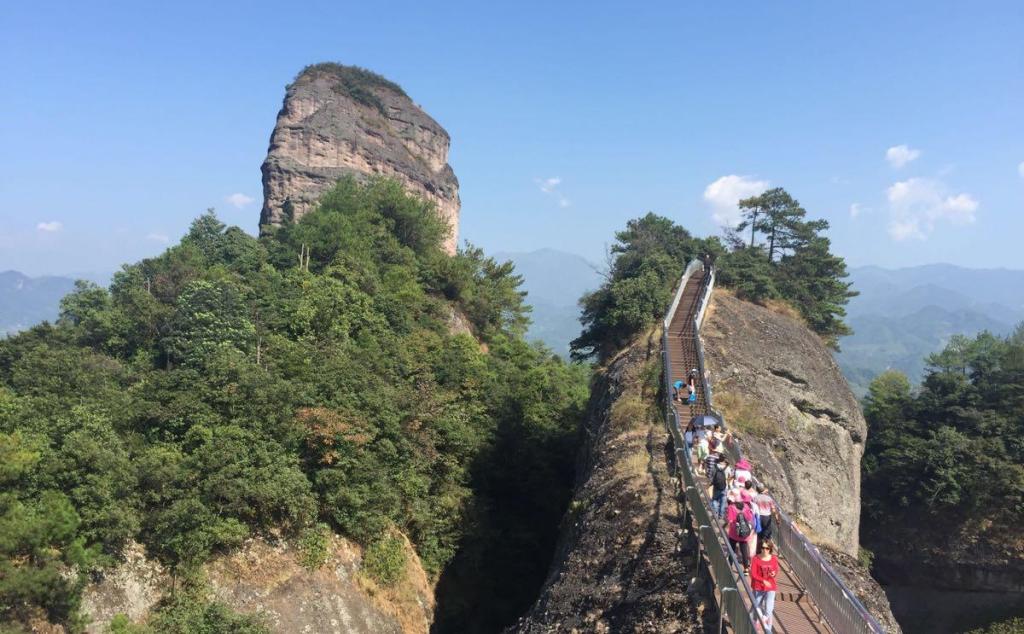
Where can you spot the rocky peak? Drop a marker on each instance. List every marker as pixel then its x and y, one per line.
pixel 783 394
pixel 343 120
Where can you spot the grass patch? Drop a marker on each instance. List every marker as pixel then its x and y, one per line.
pixel 784 308
pixel 384 560
pixel 630 411
pixel 743 414
pixel 633 466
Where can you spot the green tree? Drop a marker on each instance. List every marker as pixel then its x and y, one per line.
pixel 649 256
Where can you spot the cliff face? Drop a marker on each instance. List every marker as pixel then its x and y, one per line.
pixel 785 398
pixel 779 387
pixel 621 565
pixel 267 578
pixel 340 120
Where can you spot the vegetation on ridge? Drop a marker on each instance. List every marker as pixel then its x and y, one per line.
pixel 235 386
pixel 794 264
pixel 354 81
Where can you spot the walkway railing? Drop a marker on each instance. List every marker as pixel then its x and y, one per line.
pixel 734 594
pixel 837 604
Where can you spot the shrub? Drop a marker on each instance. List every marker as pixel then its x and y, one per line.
pixel 384 560
pixel 314 546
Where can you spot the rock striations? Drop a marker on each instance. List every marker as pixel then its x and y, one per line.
pixel 784 394
pixel 343 120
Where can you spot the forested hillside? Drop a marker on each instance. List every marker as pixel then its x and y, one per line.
pixel 308 380
pixel 943 484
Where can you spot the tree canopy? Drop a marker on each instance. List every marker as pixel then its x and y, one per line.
pixel 236 386
pixel 647 259
pixel 793 262
pixel 951 449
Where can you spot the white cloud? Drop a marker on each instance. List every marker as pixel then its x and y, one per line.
pixel 158 237
pixel 917 204
pixel 724 193
pixel 50 227
pixel 857 209
pixel 1020 169
pixel 238 200
pixel 900 155
pixel 550 186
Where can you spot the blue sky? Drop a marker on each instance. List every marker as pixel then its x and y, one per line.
pixel 122 122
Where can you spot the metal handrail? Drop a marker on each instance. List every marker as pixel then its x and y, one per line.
pixel 840 607
pixel 722 560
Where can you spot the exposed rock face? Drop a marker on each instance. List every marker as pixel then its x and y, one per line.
pixel 810 456
pixel 810 447
pixel 267 578
pixel 341 120
pixel 621 565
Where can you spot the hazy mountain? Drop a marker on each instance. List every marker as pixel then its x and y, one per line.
pixel 25 301
pixel 554 281
pixel 903 315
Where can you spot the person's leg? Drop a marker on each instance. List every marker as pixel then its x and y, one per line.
pixel 759 606
pixel 752 548
pixel 769 610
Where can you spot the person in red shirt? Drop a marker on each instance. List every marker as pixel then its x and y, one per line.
pixel 763 573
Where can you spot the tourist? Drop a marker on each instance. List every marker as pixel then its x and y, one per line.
pixel 677 387
pixel 709 466
pixel 688 439
pixel 764 505
pixel 702 450
pixel 740 530
pixel 719 483
pixel 742 474
pixel 763 575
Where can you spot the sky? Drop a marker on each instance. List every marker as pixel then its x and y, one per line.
pixel 899 123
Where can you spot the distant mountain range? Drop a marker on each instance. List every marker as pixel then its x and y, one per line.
pixel 26 301
pixel 900 317
pixel 554 282
pixel 903 315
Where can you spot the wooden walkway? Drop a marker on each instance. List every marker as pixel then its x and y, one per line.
pixel 795 612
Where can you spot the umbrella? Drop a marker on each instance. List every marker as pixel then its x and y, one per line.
pixel 704 421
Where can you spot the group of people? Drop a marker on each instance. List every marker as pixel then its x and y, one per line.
pixel 691 390
pixel 748 511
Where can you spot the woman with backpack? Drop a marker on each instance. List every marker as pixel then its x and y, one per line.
pixel 740 530
pixel 763 582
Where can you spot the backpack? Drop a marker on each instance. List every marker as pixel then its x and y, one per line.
pixel 718 479
pixel 743 527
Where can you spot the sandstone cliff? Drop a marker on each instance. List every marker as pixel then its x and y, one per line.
pixel 266 577
pixel 801 426
pixel 621 564
pixel 342 120
pixel 786 400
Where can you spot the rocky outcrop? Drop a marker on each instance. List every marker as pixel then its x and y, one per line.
pixel 267 578
pixel 786 399
pixel 342 120
pixel 621 564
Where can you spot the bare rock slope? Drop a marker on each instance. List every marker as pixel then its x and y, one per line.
pixel 801 426
pixel 267 578
pixel 621 565
pixel 342 120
